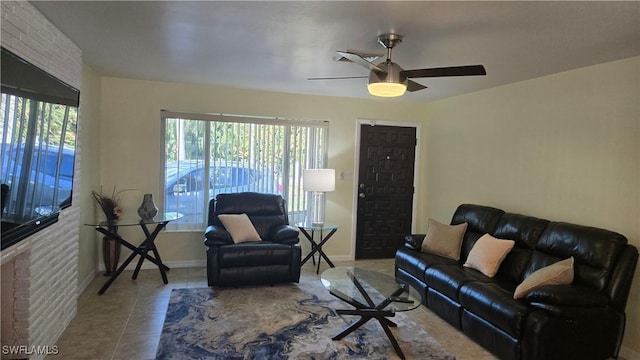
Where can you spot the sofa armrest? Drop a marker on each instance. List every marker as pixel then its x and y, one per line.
pixel 567 295
pixel 284 234
pixel 622 276
pixel 216 236
pixel 414 241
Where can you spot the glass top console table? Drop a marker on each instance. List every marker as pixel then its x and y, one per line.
pixel 148 245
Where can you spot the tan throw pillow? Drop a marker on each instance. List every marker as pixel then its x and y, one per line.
pixel 444 240
pixel 560 273
pixel 240 227
pixel 487 254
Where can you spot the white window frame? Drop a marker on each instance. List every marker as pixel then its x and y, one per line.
pixel 315 154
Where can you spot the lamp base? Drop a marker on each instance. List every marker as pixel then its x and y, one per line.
pixel 317 209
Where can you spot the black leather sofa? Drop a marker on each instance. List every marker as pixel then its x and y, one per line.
pixel 583 320
pixel 275 259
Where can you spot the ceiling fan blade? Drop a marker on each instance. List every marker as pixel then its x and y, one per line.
pixel 361 61
pixel 414 86
pixel 468 70
pixel 367 55
pixel 338 78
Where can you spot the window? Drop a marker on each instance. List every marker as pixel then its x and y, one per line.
pixel 205 155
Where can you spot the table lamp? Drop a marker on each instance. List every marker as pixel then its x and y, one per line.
pixel 318 181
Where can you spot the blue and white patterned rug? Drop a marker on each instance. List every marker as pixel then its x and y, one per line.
pixel 289 321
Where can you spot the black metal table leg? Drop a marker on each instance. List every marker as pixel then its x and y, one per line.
pixel 321 253
pixel 117 273
pixel 147 245
pixel 368 312
pixel 366 315
pixel 317 247
pixel 314 245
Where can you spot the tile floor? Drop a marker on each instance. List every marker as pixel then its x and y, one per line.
pixel 125 323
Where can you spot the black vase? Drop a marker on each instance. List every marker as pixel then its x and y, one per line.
pixel 110 252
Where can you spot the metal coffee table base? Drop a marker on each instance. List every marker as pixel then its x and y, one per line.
pixel 365 316
pixel 368 312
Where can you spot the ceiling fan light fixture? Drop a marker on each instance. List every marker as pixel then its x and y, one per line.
pixel 387 89
pixel 391 83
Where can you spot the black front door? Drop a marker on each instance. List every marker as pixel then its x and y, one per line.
pixel 385 189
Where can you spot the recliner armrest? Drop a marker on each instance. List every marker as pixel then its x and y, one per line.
pixel 284 234
pixel 414 241
pixel 567 295
pixel 216 236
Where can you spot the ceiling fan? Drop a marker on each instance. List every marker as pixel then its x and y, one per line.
pixel 388 79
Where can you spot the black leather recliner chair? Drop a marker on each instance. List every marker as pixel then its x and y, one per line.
pixel 275 259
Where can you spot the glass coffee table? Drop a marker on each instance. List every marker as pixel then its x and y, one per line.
pixel 374 295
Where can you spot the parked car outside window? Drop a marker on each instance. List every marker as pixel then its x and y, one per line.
pixel 186 183
pixel 49 185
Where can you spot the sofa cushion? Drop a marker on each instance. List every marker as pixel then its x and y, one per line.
pixel 448 279
pixel 525 231
pixel 240 227
pixel 494 303
pixel 444 240
pixel 487 254
pixel 595 251
pixel 416 263
pixel 251 254
pixel 560 273
pixel 480 220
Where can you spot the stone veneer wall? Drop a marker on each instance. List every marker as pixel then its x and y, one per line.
pixel 45 264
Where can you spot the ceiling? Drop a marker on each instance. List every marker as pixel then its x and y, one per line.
pixel 276 46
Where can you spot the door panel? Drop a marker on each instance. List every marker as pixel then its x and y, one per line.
pixel 385 189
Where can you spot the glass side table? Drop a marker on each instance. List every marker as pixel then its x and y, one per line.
pixel 160 221
pixel 326 231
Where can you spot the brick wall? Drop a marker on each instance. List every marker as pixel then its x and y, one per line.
pixel 44 265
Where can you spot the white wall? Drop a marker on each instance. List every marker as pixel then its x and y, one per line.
pixel 88 141
pixel 130 145
pixel 565 147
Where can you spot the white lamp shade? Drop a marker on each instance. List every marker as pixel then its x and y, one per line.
pixel 319 180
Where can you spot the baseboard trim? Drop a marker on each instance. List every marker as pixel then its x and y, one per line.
pixel 198 263
pixel 338 258
pixel 171 264
pixel 82 286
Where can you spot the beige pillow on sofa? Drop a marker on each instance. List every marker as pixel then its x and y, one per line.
pixel 487 254
pixel 444 240
pixel 559 273
pixel 240 227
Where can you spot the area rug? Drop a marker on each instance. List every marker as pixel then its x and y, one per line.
pixel 289 321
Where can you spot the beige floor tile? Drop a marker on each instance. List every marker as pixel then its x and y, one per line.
pixel 126 322
pixel 144 323
pixel 137 346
